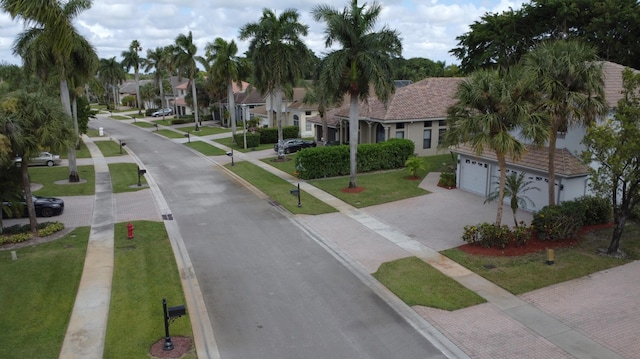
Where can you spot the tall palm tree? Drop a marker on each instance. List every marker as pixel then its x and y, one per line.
pixel 515 188
pixel 55 48
pixel 363 62
pixel 571 83
pixel 490 107
pixel 184 59
pixel 132 59
pixel 31 121
pixel 110 71
pixel 158 59
pixel 278 55
pixel 319 95
pixel 227 68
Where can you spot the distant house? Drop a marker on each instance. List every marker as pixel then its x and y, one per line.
pixel 128 88
pixel 477 173
pixel 416 111
pixel 294 112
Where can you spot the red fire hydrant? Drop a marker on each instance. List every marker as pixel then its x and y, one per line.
pixel 130 229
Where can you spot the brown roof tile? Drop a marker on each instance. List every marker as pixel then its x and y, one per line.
pixel 536 158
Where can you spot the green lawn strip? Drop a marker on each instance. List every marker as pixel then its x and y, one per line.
pixel 205 148
pixel 288 166
pixel 228 141
pixel 118 117
pixel 170 133
pixel 38 293
pixel 124 177
pixel 81 152
pixel 163 122
pixel 47 176
pixel 145 272
pixel 93 133
pixel 439 163
pixel 379 187
pixel 529 272
pixel 417 283
pixel 204 130
pixel 143 124
pixel 279 189
pixel 110 148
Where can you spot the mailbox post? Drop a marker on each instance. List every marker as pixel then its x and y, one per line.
pixel 230 154
pixel 171 312
pixel 141 172
pixel 122 144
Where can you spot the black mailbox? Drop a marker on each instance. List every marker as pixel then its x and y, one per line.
pixel 177 311
pixel 141 172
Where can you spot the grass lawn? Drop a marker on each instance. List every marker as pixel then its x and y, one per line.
pixel 93 132
pixel 47 176
pixel 145 273
pixel 110 148
pixel 529 272
pixel 379 187
pixel 228 141
pixel 124 177
pixel 170 133
pixel 143 124
pixel 166 122
pixel 204 130
pixel 417 283
pixel 118 117
pixel 278 189
pixel 81 152
pixel 205 148
pixel 39 290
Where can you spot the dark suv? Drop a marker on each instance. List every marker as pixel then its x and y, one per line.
pixel 292 145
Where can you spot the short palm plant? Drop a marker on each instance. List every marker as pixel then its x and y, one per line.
pixel 415 164
pixel 515 186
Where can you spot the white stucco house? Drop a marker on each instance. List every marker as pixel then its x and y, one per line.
pixel 478 173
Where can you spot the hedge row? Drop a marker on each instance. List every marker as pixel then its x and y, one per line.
pixel 253 139
pixel 565 220
pixel 330 161
pixel 270 134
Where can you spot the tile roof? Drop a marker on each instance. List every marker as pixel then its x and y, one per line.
pixel 613 85
pixel 536 158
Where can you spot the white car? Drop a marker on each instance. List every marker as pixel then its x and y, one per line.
pixel 43 158
pixel 162 111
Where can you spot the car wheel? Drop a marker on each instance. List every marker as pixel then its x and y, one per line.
pixel 50 163
pixel 287 150
pixel 46 212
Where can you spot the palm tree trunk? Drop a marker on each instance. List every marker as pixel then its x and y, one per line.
pixel 354 111
pixel 279 115
pixel 502 163
pixel 74 176
pixel 232 109
pixel 26 183
pixel 552 169
pixel 195 102
pixel 138 91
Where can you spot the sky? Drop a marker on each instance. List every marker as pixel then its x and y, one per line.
pixel 427 28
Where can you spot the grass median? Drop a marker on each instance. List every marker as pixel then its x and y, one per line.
pixel 110 148
pixel 145 273
pixel 124 178
pixel 279 190
pixel 205 148
pixel 39 290
pixel 55 181
pixel 170 133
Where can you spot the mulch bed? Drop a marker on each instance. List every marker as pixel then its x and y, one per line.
pixel 352 190
pixel 533 245
pixel 181 346
pixel 413 178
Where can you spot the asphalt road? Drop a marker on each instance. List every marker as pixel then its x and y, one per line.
pixel 271 291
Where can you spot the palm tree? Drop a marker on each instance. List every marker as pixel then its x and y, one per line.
pixel 131 59
pixel 515 187
pixel 227 68
pixel 111 73
pixel 184 59
pixel 319 95
pixel 55 48
pixel 364 62
pixel 490 106
pixel 571 84
pixel 158 59
pixel 31 121
pixel 278 55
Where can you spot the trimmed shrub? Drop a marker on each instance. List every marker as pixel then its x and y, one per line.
pixel 558 222
pixel 447 179
pixel 597 210
pixel 487 235
pixel 181 120
pixel 50 229
pixel 330 161
pixel 253 140
pixel 270 134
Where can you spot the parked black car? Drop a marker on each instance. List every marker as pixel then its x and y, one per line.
pixel 292 145
pixel 45 207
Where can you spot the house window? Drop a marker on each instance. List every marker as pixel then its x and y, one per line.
pixel 307 113
pixel 296 120
pixel 427 123
pixel 307 126
pixel 442 123
pixel 399 134
pixel 441 135
pixel 426 139
pixel 399 125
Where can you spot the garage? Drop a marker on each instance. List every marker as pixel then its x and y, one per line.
pixel 473 176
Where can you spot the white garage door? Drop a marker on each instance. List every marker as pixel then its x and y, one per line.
pixel 473 176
